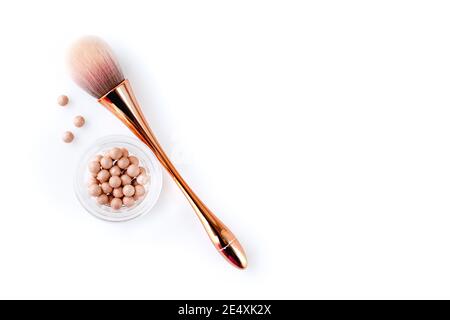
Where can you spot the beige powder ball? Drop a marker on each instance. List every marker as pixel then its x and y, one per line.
pixel 95 190
pixel 102 199
pixel 128 201
pixel 115 153
pixel 123 163
pixel 110 198
pixel 103 175
pixel 97 158
pixel 94 167
pixel 106 187
pixel 92 181
pixel 125 153
pixel 115 181
pixel 139 190
pixel 125 179
pixel 79 121
pixel 63 100
pixel 106 162
pixel 142 179
pixel 116 203
pixel 142 170
pixel 128 191
pixel 115 171
pixel 133 160
pixel 117 192
pixel 68 137
pixel 133 170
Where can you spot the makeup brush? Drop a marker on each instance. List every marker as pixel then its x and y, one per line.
pixel 95 69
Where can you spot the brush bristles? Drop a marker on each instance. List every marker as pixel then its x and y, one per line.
pixel 93 66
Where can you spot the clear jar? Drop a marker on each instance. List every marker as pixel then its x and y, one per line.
pixel 146 159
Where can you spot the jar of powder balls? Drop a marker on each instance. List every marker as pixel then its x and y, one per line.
pixel 118 178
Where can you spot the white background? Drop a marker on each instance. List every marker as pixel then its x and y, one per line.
pixel 317 130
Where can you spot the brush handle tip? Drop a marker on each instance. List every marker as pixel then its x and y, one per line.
pixel 235 254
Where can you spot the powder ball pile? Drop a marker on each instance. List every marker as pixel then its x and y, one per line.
pixel 116 179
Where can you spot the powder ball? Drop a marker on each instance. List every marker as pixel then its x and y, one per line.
pixel 133 170
pixel 128 201
pixel 117 192
pixel 125 179
pixel 133 160
pixel 106 187
pixel 92 181
pixel 95 190
pixel 123 163
pixel 94 167
pixel 102 199
pixel 115 171
pixel 128 191
pixel 139 190
pixel 79 121
pixel 142 179
pixel 116 203
pixel 63 100
pixel 115 153
pixel 106 162
pixel 115 181
pixel 68 137
pixel 103 175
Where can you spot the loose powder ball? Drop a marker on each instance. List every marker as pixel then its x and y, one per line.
pixel 63 100
pixel 116 179
pixel 68 137
pixel 79 121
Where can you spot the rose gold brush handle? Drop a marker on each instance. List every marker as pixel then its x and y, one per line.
pixel 122 102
